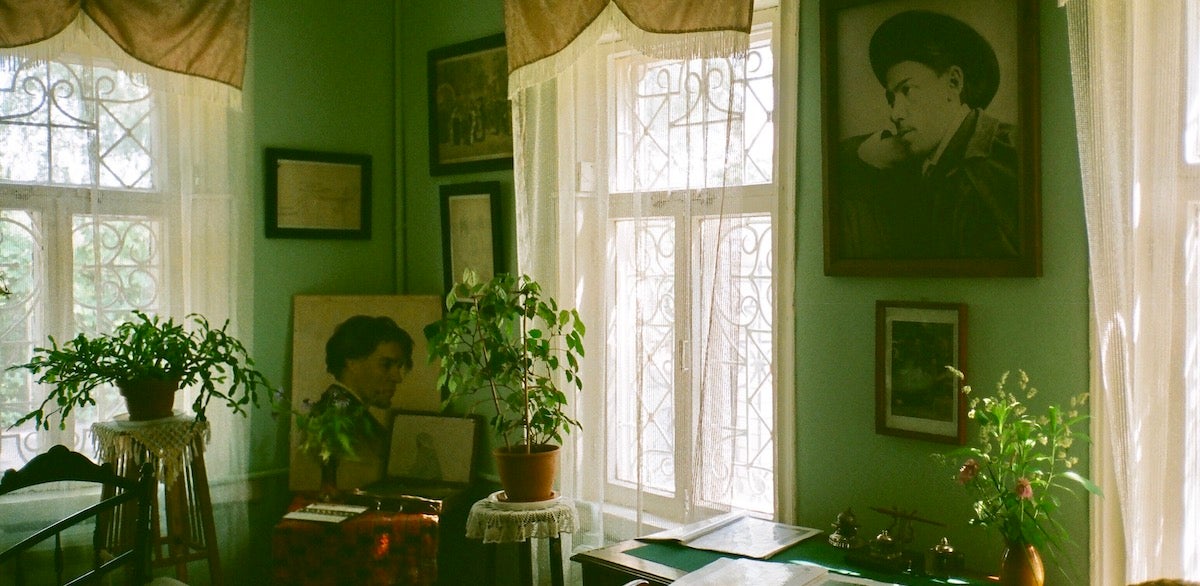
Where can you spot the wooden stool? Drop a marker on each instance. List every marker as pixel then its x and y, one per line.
pixel 175 445
pixel 496 522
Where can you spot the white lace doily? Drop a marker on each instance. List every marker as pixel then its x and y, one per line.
pixel 169 441
pixel 494 524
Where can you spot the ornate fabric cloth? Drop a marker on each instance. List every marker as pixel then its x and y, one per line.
pixel 499 523
pixel 374 548
pixel 170 442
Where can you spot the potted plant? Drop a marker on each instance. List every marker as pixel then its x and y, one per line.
pixel 503 343
pixel 148 359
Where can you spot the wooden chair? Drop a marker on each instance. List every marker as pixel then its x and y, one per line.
pixel 124 506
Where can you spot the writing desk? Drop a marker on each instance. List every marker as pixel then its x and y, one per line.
pixel 662 563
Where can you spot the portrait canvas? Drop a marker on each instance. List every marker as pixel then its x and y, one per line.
pixel 916 395
pixel 931 138
pixel 314 318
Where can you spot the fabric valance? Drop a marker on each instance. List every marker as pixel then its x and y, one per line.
pixel 203 38
pixel 544 36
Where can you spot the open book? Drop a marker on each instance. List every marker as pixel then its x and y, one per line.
pixel 736 533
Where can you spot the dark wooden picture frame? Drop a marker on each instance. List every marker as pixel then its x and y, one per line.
pixel 471 234
pixel 915 395
pixel 314 194
pixel 470 117
pixel 916 187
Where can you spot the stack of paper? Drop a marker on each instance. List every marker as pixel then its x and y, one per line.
pixel 726 571
pixel 325 512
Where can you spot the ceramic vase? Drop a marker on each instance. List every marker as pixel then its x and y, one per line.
pixel 1022 565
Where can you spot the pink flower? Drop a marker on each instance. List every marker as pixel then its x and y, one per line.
pixel 1024 490
pixel 969 469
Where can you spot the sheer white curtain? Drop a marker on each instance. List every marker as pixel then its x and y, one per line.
pixel 1129 65
pixel 122 187
pixel 647 188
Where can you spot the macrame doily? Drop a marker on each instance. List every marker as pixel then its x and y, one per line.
pixel 169 442
pixel 496 524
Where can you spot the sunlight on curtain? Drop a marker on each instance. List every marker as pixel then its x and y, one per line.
pixel 1140 198
pixel 120 188
pixel 648 194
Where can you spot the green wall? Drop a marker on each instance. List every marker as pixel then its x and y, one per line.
pixel 1039 325
pixel 329 78
pixel 321 78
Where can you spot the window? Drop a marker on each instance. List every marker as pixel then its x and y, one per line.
pixel 85 232
pixel 689 183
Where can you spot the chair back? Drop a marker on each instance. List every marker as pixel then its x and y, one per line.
pixel 124 507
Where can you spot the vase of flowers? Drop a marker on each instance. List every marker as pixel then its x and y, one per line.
pixel 1021 465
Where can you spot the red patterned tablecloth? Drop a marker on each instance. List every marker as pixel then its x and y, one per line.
pixel 376 548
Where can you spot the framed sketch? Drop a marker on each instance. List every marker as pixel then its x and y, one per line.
pixel 931 138
pixel 313 194
pixel 432 448
pixel 470 119
pixel 314 318
pixel 915 395
pixel 471 238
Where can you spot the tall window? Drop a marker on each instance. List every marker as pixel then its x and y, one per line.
pixel 675 216
pixel 101 176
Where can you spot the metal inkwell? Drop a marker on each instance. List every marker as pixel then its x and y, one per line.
pixel 845 531
pixel 941 560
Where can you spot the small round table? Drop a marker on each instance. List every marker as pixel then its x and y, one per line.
pixel 496 522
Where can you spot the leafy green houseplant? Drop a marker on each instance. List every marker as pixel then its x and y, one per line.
pixel 146 351
pixel 1021 464
pixel 504 344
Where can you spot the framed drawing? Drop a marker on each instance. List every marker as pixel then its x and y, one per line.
pixel 915 395
pixel 471 238
pixel 433 448
pixel 470 119
pixel 931 138
pixel 314 318
pixel 314 194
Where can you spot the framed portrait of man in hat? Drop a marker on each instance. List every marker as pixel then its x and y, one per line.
pixel 931 138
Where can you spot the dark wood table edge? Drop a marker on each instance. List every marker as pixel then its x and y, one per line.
pixel 614 559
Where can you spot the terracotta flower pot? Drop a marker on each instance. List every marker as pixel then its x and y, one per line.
pixel 147 399
pixel 1022 566
pixel 527 475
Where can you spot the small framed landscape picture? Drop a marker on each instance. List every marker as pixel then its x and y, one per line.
pixel 915 394
pixel 470 117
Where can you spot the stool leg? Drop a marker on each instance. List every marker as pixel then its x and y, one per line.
pixel 526 562
pixel 556 568
pixel 489 564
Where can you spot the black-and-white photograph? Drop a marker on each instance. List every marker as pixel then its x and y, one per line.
pixel 931 138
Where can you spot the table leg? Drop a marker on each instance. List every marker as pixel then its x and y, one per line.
pixel 526 562
pixel 556 568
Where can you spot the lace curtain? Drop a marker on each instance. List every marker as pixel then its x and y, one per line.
pixel 646 197
pixel 1129 65
pixel 130 194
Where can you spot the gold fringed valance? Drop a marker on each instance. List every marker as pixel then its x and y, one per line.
pixel 203 38
pixel 539 33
